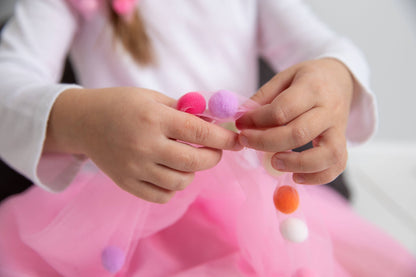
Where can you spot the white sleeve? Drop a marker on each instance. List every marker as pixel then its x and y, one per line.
pixel 290 33
pixel 33 47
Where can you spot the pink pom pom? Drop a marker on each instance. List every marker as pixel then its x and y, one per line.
pixel 223 104
pixel 192 102
pixel 112 258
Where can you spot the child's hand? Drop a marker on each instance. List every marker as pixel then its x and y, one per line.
pixel 307 102
pixel 134 136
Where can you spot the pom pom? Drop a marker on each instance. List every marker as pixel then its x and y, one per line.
pixel 286 199
pixel 112 258
pixel 192 102
pixel 294 230
pixel 223 104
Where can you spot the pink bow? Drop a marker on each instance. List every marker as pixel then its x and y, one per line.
pixel 89 7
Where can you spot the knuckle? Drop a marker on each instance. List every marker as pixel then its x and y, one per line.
pixel 230 141
pixel 342 165
pixel 181 183
pixel 318 86
pixel 148 118
pixel 301 163
pixel 260 143
pixel 331 177
pixel 142 150
pixel 328 176
pixel 337 155
pixel 280 116
pixel 299 135
pixel 324 178
pixel 260 94
pixel 199 132
pixel 189 162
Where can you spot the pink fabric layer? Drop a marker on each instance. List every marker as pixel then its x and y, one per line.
pixel 223 224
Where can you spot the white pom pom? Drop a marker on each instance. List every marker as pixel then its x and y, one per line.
pixel 294 230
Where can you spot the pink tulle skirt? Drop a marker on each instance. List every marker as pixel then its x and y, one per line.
pixel 223 224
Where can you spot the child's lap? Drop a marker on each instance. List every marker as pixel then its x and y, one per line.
pixel 209 227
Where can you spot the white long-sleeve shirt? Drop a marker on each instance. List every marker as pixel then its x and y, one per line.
pixel 199 45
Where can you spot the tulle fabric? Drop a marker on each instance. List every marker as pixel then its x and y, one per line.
pixel 223 224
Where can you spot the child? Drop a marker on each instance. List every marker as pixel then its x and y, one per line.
pixel 121 130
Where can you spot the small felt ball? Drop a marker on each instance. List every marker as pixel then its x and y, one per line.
pixel 286 199
pixel 304 272
pixel 223 104
pixel 112 258
pixel 294 230
pixel 192 102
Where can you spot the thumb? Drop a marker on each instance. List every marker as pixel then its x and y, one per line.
pixel 264 96
pixel 281 81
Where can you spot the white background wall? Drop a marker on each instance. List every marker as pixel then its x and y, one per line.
pixel 386 31
pixel 382 174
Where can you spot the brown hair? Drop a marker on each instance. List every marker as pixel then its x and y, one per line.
pixel 132 34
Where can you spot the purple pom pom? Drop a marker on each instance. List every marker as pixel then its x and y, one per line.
pixel 112 258
pixel 223 104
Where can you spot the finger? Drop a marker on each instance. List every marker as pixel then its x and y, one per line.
pixel 288 105
pixel 330 151
pixel 274 86
pixel 297 133
pixel 162 98
pixel 318 178
pixel 168 178
pixel 186 158
pixel 147 191
pixel 189 128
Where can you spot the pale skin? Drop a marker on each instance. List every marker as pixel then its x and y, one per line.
pixel 307 102
pixel 136 136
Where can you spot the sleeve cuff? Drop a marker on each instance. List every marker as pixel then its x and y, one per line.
pixel 26 126
pixel 363 118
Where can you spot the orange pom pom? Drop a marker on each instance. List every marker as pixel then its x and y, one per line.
pixel 286 199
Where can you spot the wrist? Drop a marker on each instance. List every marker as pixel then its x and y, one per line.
pixel 65 123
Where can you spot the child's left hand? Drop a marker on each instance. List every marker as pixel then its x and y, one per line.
pixel 307 102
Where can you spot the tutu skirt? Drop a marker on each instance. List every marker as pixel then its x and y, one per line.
pixel 223 224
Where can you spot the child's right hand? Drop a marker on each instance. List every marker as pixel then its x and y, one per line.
pixel 134 136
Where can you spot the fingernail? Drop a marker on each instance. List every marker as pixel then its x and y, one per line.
pixel 278 164
pixel 243 140
pixel 299 179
